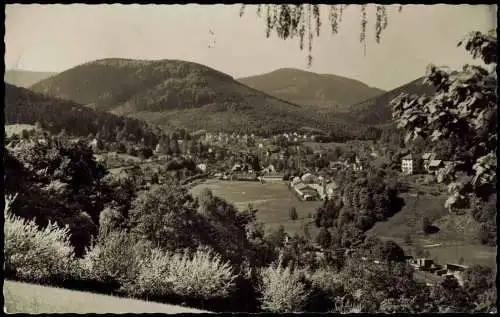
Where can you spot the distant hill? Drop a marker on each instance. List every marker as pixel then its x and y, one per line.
pixel 25 78
pixel 377 110
pixel 181 94
pixel 311 89
pixel 23 106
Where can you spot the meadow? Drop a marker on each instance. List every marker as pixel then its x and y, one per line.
pixel 456 238
pixel 11 129
pixel 37 299
pixel 273 201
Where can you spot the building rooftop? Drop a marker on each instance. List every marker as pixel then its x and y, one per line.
pixel 435 163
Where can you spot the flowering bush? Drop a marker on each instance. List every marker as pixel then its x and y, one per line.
pixel 113 259
pixel 282 288
pixel 34 254
pixel 203 275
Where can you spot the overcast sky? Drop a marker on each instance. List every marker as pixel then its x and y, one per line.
pixel 58 37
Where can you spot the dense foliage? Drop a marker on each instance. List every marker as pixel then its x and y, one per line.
pixel 363 201
pixel 464 112
pixel 55 115
pixel 58 181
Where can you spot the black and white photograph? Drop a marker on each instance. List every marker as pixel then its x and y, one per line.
pixel 250 158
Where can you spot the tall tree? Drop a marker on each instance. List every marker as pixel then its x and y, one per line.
pixel 464 109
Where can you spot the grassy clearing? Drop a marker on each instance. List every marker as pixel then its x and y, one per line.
pixel 409 219
pixel 457 236
pixel 11 129
pixel 36 299
pixel 273 200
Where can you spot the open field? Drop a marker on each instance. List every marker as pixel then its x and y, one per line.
pixel 273 200
pixel 457 236
pixel 11 129
pixel 451 252
pixel 36 299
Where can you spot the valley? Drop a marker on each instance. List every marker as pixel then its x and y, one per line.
pixel 187 161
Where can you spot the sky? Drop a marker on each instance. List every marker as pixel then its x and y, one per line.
pixel 58 37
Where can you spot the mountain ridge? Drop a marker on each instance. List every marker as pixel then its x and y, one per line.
pixel 311 89
pixel 177 93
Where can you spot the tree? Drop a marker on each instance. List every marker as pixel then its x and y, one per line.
pixel 293 213
pixel 324 238
pixel 392 252
pixel 276 237
pixel 167 217
pixel 304 20
pixel 464 109
pixel 426 225
pixel 25 135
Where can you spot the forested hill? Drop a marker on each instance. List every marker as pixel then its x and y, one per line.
pixel 54 115
pixel 181 94
pixel 312 89
pixel 378 110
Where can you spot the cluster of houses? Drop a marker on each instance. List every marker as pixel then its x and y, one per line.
pixel 226 138
pixel 295 137
pixel 309 187
pixel 425 163
pixel 428 265
pixel 356 165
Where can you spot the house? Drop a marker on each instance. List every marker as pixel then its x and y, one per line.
pixel 455 268
pixel 296 180
pixel 272 177
pixel 305 191
pixel 319 189
pixel 308 178
pixel 441 272
pixel 202 167
pixel 411 164
pixel 269 170
pixel 422 263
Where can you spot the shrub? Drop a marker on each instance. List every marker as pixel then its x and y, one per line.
pixel 36 255
pixel 109 219
pixel 203 276
pixel 326 287
pixel 282 289
pixel 113 259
